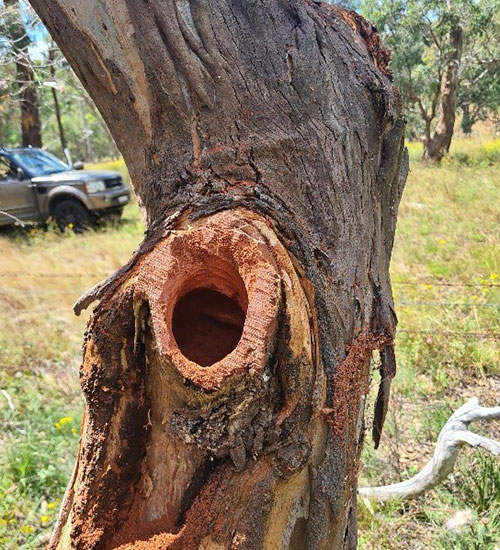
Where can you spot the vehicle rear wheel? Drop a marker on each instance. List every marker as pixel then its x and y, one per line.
pixel 72 214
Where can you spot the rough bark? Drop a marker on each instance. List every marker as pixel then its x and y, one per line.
pixel 439 143
pixel 31 129
pixel 265 143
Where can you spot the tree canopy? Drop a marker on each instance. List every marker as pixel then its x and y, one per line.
pixel 417 33
pixel 86 134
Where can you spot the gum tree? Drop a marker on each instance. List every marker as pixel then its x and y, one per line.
pixel 445 56
pixel 18 42
pixel 226 365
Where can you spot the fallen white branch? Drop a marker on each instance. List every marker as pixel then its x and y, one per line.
pixel 451 439
pixel 16 220
pixel 8 398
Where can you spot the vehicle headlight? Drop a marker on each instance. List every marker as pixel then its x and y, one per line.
pixel 97 186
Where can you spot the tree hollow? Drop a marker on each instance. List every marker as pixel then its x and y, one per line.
pixel 207 325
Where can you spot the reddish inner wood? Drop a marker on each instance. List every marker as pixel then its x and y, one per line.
pixel 207 325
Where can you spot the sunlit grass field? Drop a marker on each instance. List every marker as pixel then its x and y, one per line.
pixel 446 278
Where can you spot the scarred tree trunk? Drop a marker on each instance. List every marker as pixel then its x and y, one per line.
pixel 438 145
pixel 226 365
pixel 30 118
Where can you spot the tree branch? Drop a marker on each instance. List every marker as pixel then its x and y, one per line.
pixel 433 34
pixel 451 439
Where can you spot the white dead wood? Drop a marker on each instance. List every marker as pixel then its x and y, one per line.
pixel 8 398
pixel 452 437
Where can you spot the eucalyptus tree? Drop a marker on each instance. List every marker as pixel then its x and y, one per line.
pixel 445 55
pixel 16 42
pixel 226 365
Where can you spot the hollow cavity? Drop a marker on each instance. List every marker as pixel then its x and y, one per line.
pixel 207 325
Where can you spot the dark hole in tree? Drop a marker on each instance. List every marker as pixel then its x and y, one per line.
pixel 207 325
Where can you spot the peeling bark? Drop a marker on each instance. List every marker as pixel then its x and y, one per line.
pixel 265 143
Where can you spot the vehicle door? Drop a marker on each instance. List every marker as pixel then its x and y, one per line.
pixel 17 199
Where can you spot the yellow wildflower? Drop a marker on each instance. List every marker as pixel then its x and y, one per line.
pixel 63 421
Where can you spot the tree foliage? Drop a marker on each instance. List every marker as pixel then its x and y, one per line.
pixel 86 134
pixel 418 31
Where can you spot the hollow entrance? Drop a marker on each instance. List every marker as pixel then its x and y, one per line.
pixel 207 325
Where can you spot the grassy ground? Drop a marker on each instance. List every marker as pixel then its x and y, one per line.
pixel 447 288
pixel 446 279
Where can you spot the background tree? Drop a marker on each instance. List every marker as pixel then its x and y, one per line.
pixel 444 56
pixel 226 366
pixel 52 79
pixel 28 98
pixel 53 87
pixel 9 111
pixel 479 89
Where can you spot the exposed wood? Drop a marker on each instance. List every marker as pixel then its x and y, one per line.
pixel 453 436
pixel 206 428
pixel 268 135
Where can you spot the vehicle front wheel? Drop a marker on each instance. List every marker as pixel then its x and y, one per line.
pixel 72 214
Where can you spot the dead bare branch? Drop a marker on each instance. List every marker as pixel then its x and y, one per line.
pixel 452 437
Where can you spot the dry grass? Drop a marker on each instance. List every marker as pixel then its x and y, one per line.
pixel 446 280
pixel 447 349
pixel 42 275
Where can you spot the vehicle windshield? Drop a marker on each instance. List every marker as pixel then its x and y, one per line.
pixel 39 163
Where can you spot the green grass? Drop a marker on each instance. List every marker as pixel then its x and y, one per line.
pixel 465 151
pixel 39 439
pixel 446 277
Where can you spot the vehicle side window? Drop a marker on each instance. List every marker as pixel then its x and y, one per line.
pixel 6 169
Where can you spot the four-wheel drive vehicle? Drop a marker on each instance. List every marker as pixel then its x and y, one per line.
pixel 35 185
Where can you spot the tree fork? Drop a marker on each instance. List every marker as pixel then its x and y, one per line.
pixel 227 363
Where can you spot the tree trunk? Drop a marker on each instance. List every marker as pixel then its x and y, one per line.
pixel 467 119
pixel 438 145
pixel 226 366
pixel 62 137
pixel 89 153
pixel 113 149
pixel 30 117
